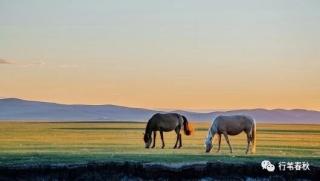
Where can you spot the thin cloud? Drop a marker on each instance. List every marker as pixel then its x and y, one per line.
pixel 38 64
pixel 3 61
pixel 32 64
pixel 9 62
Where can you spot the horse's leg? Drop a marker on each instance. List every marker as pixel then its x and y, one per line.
pixel 154 139
pixel 177 131
pixel 227 139
pixel 219 143
pixel 180 139
pixel 248 140
pixel 161 134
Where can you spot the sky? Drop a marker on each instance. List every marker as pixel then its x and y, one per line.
pixel 197 55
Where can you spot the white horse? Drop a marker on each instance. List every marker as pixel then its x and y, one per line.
pixel 232 125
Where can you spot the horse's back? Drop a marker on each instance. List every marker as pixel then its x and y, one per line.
pixel 234 124
pixel 165 122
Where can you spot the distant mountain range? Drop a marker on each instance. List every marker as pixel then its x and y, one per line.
pixel 18 109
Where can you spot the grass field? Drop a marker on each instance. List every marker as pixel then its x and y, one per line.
pixel 46 143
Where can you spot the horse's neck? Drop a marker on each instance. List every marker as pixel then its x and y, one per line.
pixel 209 136
pixel 212 130
pixel 148 129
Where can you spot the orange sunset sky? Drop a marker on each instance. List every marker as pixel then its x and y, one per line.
pixel 197 55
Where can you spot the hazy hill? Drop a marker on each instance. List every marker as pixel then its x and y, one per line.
pixel 18 109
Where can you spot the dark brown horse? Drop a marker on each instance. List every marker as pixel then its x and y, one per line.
pixel 164 123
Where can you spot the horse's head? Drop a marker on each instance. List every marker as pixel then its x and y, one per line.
pixel 147 140
pixel 208 144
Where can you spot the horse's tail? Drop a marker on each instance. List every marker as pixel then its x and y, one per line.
pixel 187 127
pixel 254 135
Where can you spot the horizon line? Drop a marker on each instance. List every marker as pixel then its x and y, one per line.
pixel 165 109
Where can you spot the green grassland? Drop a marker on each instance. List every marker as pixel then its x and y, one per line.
pixel 73 143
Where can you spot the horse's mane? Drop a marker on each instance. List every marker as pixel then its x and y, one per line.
pixel 188 128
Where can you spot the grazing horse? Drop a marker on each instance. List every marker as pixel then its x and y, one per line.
pixel 164 123
pixel 232 125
